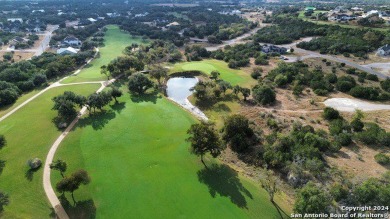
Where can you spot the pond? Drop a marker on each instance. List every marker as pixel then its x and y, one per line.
pixel 179 89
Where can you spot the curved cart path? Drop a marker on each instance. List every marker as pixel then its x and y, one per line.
pixel 51 195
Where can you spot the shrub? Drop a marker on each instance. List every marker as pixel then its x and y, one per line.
pixel 332 78
pixel 280 80
pixel 372 77
pixel 256 73
pixel 357 125
pixel 263 94
pixel 330 113
pixel 321 92
pixel 344 139
pixel 382 159
pixel 237 132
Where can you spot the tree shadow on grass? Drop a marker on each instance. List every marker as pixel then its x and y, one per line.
pixel 223 180
pixel 30 173
pixel 85 209
pixel 222 107
pixel 118 107
pixel 149 97
pixel 2 165
pixel 97 119
pixel 281 213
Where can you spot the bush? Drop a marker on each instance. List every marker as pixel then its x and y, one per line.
pixel 357 125
pixel 321 92
pixel 263 94
pixel 237 132
pixel 382 159
pixel 330 113
pixel 368 93
pixel 34 163
pixel 332 78
pixel 344 84
pixel 261 61
pixel 344 139
pixel 372 77
pixel 256 73
pixel 280 80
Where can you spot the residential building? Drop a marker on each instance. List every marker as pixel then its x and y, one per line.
pixel 67 51
pixel 384 51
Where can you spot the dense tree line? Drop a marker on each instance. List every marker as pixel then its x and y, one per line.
pixel 238 55
pixel 24 76
pixel 331 39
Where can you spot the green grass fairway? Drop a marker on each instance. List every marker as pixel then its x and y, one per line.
pixel 233 76
pixel 4 110
pixel 140 167
pixel 115 42
pixel 30 133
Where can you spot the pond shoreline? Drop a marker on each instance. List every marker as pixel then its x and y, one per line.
pixel 182 93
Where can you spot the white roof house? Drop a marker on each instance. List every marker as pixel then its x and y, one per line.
pixel 67 51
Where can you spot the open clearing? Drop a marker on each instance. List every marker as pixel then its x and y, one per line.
pixel 350 105
pixel 139 162
pixel 232 76
pixel 115 42
pixel 29 133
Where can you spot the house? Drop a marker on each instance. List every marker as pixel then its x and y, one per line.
pixel 173 24
pixel 384 50
pixel 18 40
pixel 71 41
pixel 344 17
pixel 67 51
pixel 15 19
pixel 112 15
pixel 273 49
pixel 91 20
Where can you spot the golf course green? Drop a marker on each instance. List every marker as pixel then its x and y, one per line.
pixel 115 41
pixel 30 133
pixel 139 162
pixel 232 76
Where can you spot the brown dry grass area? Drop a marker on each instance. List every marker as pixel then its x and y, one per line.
pixel 18 56
pixel 358 161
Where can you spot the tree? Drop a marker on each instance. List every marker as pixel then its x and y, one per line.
pixel 3 142
pixel 125 65
pixel 115 93
pixel 72 183
pixel 59 165
pixel 236 132
pixel 236 89
pixel 245 92
pixel 139 83
pixel 158 73
pixel 104 71
pixel 204 139
pixel 256 73
pixel 269 184
pixel 224 85
pixel 214 75
pixel 330 113
pixel 4 200
pixel 66 104
pixel 311 199
pixel 98 100
pixel 264 94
